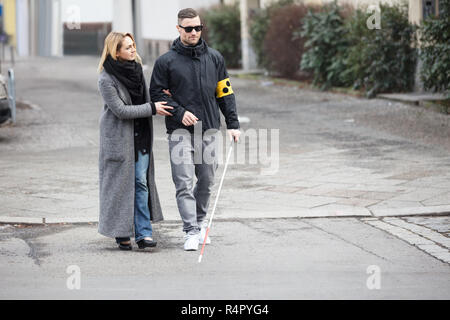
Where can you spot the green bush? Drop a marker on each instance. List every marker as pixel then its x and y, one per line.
pixel 342 52
pixel 435 50
pixel 223 32
pixel 258 27
pixel 325 45
pixel 355 57
pixel 390 53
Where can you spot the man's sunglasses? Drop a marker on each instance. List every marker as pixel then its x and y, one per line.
pixel 189 29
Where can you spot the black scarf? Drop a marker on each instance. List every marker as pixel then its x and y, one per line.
pixel 190 51
pixel 130 74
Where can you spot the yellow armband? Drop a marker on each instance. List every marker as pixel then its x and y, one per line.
pixel 224 88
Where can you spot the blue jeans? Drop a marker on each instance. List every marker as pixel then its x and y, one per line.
pixel 142 224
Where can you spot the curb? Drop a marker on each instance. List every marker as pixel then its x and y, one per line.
pixel 45 221
pixel 390 212
pixel 376 213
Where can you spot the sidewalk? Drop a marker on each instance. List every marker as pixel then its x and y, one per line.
pixel 333 161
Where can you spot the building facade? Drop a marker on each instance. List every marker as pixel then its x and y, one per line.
pixel 58 27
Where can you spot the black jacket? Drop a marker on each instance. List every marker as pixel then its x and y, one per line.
pixel 198 81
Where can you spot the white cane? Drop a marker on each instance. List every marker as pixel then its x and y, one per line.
pixel 215 202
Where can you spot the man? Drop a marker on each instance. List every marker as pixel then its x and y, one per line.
pixel 193 79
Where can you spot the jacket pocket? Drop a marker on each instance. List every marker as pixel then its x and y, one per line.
pixel 111 150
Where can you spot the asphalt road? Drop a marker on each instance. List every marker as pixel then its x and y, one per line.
pixel 248 259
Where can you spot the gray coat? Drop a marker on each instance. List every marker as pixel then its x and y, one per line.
pixel 117 160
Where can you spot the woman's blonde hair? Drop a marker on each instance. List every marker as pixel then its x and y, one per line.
pixel 113 44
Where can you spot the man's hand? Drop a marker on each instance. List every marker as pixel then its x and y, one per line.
pixel 234 134
pixel 189 119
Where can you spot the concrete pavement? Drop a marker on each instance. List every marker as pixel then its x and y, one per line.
pixel 332 161
pixel 358 183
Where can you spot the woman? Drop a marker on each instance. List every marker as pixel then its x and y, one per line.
pixel 128 195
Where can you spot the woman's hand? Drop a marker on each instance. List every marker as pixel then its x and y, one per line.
pixel 161 108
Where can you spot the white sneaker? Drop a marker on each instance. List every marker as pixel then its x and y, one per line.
pixel 202 236
pixel 191 242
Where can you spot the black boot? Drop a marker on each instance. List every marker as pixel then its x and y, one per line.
pixel 142 244
pixel 122 245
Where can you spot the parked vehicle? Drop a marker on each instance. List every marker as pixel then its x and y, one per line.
pixel 5 110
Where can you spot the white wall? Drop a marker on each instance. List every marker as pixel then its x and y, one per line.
pixel 57 32
pixel 90 10
pixel 159 17
pixel 122 16
pixel 22 27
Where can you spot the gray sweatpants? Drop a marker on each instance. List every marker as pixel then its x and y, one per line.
pixel 189 157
